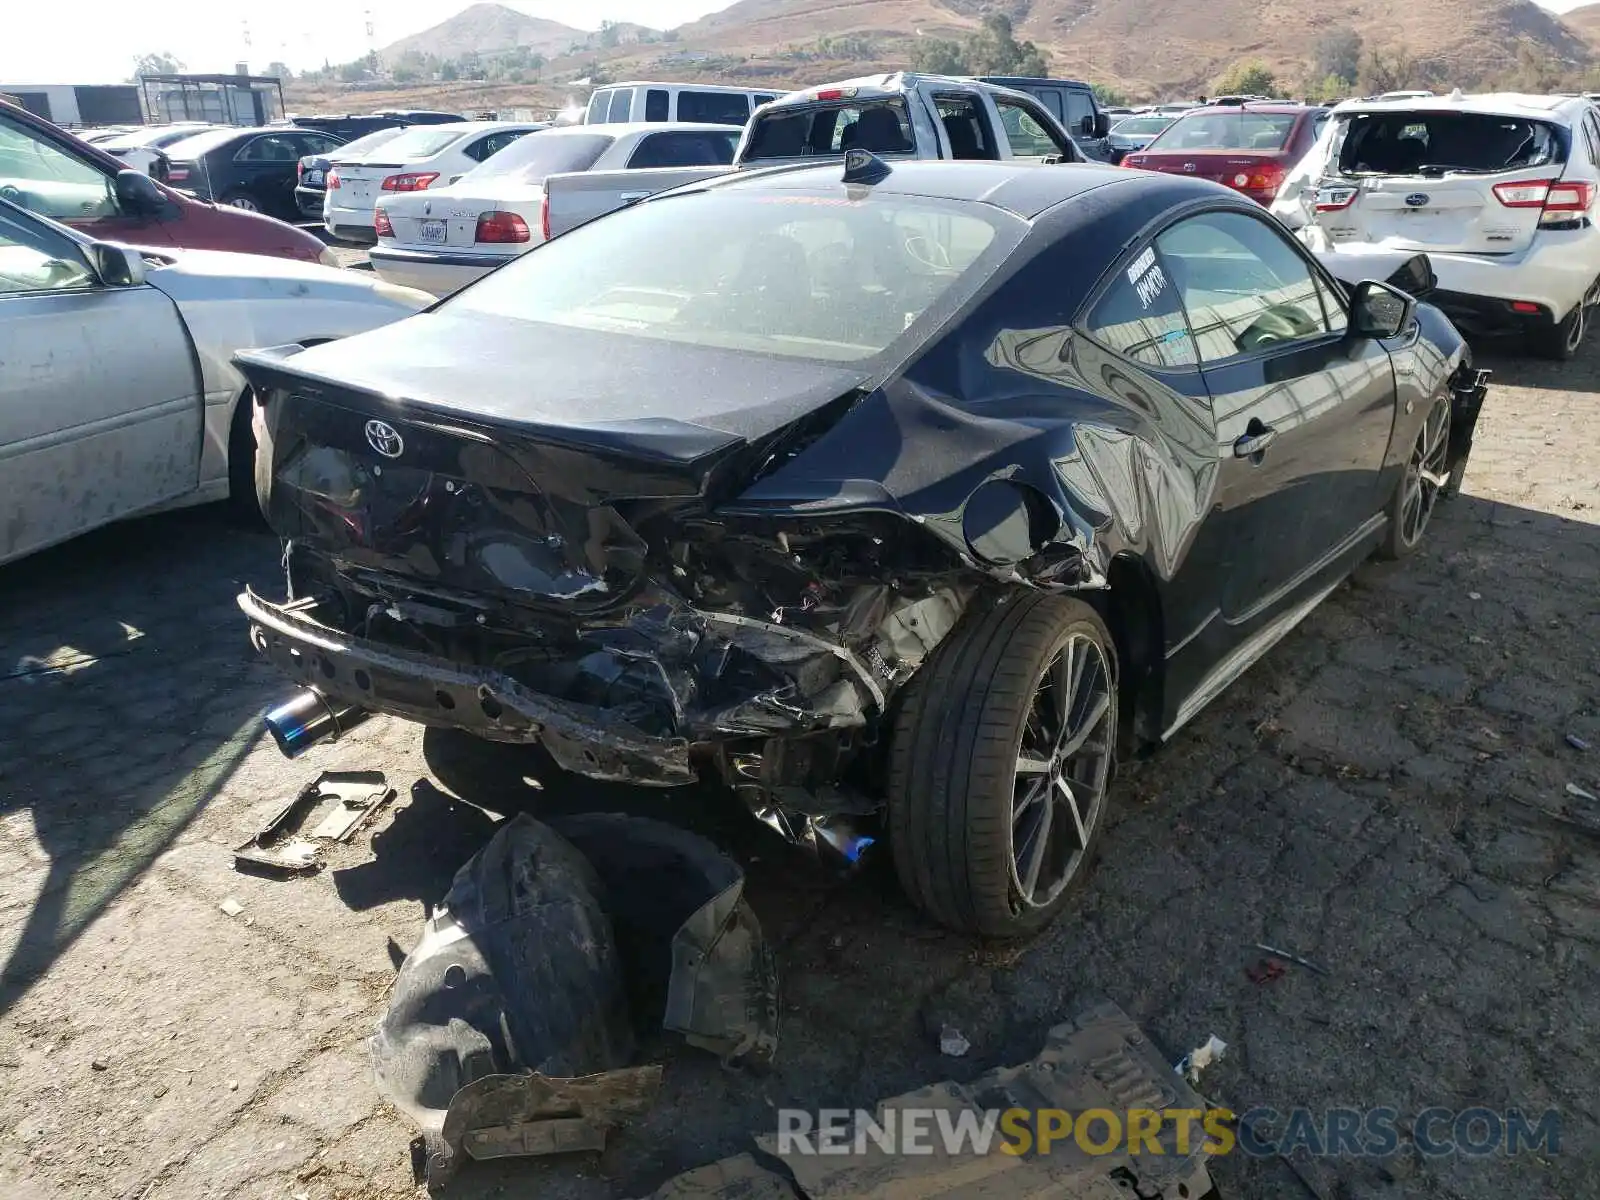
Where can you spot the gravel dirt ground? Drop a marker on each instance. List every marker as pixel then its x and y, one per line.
pixel 1385 794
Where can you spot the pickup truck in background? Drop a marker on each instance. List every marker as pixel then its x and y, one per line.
pixel 898 116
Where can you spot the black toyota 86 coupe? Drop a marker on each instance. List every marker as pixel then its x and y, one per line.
pixel 900 497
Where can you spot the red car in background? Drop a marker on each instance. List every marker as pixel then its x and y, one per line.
pixel 1249 147
pixel 45 169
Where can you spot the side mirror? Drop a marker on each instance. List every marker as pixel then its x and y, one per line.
pixel 117 266
pixel 1087 125
pixel 1102 124
pixel 138 195
pixel 1380 311
pixel 161 169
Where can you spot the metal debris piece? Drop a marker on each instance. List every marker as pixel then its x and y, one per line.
pixel 1576 742
pixel 517 1116
pixel 951 1043
pixel 231 906
pixel 1100 1060
pixel 1474 596
pixel 1574 790
pixel 356 796
pixel 1294 958
pixel 1201 1057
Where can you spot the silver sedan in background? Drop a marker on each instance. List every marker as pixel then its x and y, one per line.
pixel 117 393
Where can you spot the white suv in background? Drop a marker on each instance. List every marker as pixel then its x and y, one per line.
pixel 1499 191
pixel 423 157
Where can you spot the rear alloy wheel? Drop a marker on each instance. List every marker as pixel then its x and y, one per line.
pixel 241 200
pixel 1427 472
pixel 1560 341
pixel 1001 759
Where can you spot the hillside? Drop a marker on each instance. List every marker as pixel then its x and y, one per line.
pixel 1148 49
pixel 1585 22
pixel 485 29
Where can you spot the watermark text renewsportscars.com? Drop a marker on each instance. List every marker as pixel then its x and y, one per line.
pixel 1258 1132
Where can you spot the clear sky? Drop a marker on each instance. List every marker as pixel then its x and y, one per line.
pixel 97 41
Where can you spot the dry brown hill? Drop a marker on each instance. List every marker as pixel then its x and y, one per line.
pixel 485 29
pixel 1585 22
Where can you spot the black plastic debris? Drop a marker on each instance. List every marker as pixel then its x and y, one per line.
pixel 510 1029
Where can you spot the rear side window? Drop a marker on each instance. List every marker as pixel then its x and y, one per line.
pixel 600 106
pixel 1141 316
pixel 275 148
pixel 1427 142
pixel 713 108
pixel 621 106
pixel 882 127
pixel 1051 99
pixel 684 149
pixel 657 105
pixel 966 128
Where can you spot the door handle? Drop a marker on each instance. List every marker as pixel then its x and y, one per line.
pixel 1254 444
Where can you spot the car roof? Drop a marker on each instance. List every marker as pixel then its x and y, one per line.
pixel 693 87
pixel 1024 189
pixel 1255 106
pixel 1493 104
pixel 1018 81
pixel 623 128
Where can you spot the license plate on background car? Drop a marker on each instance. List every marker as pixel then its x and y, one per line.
pixel 433 232
pixel 313 176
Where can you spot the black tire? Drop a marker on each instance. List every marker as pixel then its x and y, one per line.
pixel 1423 482
pixel 959 733
pixel 1560 341
pixel 242 503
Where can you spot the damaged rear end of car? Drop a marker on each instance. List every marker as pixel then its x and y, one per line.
pixel 568 542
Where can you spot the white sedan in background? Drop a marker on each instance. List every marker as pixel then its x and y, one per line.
pixel 442 240
pixel 119 395
pixel 422 158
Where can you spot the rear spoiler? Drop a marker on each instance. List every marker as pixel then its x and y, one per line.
pixel 1411 273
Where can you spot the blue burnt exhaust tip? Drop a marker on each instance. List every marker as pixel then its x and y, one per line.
pixel 309 717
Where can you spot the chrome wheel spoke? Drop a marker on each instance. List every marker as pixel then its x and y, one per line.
pixel 1034 851
pixel 1070 802
pixel 1032 766
pixel 1100 703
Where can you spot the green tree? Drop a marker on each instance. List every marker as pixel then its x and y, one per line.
pixel 278 70
pixel 1249 78
pixel 470 66
pixel 155 64
pixel 610 34
pixel 1111 97
pixel 1337 54
pixel 448 71
pixel 937 56
pixel 995 50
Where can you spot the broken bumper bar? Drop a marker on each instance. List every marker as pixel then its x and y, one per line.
pixel 479 700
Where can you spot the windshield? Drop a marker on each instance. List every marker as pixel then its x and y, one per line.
pixel 795 132
pixel 421 141
pixel 531 159
pixel 353 150
pixel 1227 131
pixel 202 143
pixel 1413 143
pixel 797 273
pixel 1141 126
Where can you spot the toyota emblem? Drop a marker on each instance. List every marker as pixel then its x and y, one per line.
pixel 385 439
pixel 1188 167
pixel 1417 199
